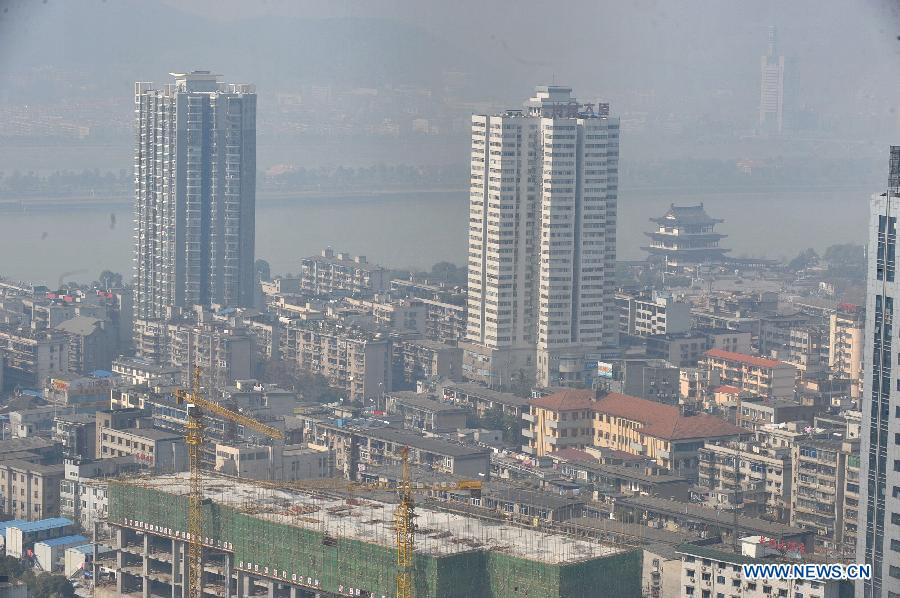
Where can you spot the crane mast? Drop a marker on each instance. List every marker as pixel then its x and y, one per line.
pixel 405 531
pixel 194 438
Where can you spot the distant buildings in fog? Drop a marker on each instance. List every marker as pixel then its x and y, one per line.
pixel 771 88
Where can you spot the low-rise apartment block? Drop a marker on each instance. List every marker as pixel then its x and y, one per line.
pixel 420 359
pixel 32 357
pixel 764 476
pixel 575 419
pixel 820 484
pixel 279 462
pixel 708 572
pixel 353 359
pixel 340 273
pixel 845 346
pixel 687 348
pixel 422 413
pixel 29 491
pixel 646 314
pixel 482 399
pixel 759 376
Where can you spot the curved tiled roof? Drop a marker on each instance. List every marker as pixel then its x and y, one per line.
pixel 570 399
pixel 744 358
pixel 664 421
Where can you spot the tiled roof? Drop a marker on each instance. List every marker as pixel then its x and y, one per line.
pixel 664 421
pixel 727 389
pixel 566 400
pixel 744 358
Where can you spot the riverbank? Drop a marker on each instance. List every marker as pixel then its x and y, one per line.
pixel 27 204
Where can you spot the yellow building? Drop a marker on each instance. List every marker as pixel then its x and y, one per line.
pixel 657 431
pixel 578 419
pixel 561 420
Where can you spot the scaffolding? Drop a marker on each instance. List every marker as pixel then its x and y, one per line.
pixel 327 541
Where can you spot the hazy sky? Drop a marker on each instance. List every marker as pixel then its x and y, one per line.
pixel 694 61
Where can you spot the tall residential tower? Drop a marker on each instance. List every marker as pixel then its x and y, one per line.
pixel 771 88
pixel 542 239
pixel 878 538
pixel 195 194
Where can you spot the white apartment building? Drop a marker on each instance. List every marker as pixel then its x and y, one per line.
pixel 652 313
pixel 542 239
pixel 195 194
pixel 716 572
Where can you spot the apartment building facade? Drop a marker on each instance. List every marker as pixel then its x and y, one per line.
pixel 759 376
pixel 352 359
pixel 764 476
pixel 29 491
pixel 845 347
pixel 32 357
pixel 195 194
pixel 578 419
pixel 340 273
pixel 879 488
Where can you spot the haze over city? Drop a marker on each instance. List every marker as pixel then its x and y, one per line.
pixel 408 298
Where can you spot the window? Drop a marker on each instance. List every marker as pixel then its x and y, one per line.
pixel 894 572
pixel 895 518
pixel 895 545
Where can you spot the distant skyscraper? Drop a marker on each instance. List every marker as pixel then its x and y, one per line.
pixel 542 239
pixel 771 88
pixel 878 538
pixel 195 194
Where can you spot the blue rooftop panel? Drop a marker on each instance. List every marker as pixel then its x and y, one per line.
pixel 64 540
pixel 44 524
pixel 11 523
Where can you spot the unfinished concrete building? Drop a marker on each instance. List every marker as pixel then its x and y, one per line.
pixel 262 540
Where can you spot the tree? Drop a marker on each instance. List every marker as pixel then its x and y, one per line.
pixel 263 269
pixel 110 280
pixel 806 259
pixel 311 386
pixel 51 586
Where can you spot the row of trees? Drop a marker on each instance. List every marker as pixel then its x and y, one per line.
pixel 44 585
pixel 841 261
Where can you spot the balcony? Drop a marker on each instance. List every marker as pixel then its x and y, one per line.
pixel 528 417
pixel 527 433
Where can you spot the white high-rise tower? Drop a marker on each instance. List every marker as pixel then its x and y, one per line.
pixel 542 240
pixel 195 194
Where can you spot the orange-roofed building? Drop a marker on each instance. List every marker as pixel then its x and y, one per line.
pixel 758 376
pixel 659 432
pixel 576 419
pixel 562 420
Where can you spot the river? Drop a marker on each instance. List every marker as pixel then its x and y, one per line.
pixel 417 229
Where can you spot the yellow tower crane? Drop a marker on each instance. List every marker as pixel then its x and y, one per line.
pixel 197 407
pixel 405 522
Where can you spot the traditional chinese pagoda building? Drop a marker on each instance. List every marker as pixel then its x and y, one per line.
pixel 685 237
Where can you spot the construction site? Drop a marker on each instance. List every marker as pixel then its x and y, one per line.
pixel 259 539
